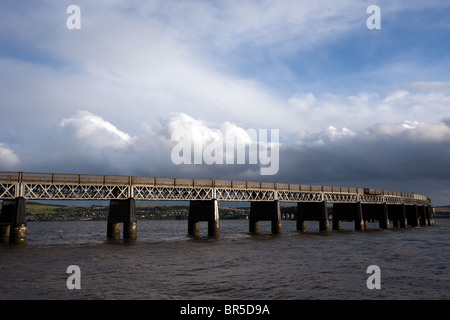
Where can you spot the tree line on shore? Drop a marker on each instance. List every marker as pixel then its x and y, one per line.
pixel 48 212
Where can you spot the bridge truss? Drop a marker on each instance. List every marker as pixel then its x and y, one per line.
pixel 48 186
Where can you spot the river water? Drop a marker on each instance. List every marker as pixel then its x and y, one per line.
pixel 165 263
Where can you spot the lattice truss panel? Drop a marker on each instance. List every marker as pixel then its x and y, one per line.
pixel 293 196
pixel 8 190
pixel 226 194
pixel 171 193
pixel 394 200
pixel 369 198
pixel 74 192
pixel 341 197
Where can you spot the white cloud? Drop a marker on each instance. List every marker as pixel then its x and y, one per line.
pixel 95 131
pixel 198 129
pixel 333 133
pixel 8 159
pixel 206 132
pixel 414 132
pixel 207 138
pixel 313 113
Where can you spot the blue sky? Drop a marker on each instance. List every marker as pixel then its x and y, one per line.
pixel 355 107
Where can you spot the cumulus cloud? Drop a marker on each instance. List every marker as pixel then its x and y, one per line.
pixel 414 132
pixel 95 131
pixel 8 159
pixel 313 112
pixel 198 129
pixel 206 132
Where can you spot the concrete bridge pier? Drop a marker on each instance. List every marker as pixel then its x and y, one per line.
pixel 383 216
pixel 13 221
pixel 312 211
pixel 423 216
pixel 203 210
pixel 412 215
pixel 349 212
pixel 265 211
pixel 122 211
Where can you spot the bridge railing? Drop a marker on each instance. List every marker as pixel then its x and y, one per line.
pixel 9 177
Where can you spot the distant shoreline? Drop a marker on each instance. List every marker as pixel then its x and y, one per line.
pixel 442 212
pixel 50 212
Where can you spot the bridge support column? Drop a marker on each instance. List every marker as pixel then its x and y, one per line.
pixel 122 211
pixel 265 211
pixel 397 214
pixel 384 216
pixel 312 211
pixel 359 217
pixel 204 210
pixel 13 221
pixel 113 230
pixel 412 215
pixel 423 216
pixel 348 211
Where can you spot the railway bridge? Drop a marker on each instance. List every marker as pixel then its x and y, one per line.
pixel 350 204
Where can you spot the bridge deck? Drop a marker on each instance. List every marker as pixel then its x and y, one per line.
pixel 52 186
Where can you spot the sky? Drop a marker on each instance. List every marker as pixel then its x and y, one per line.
pixel 353 106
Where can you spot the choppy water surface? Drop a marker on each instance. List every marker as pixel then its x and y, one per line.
pixel 164 263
